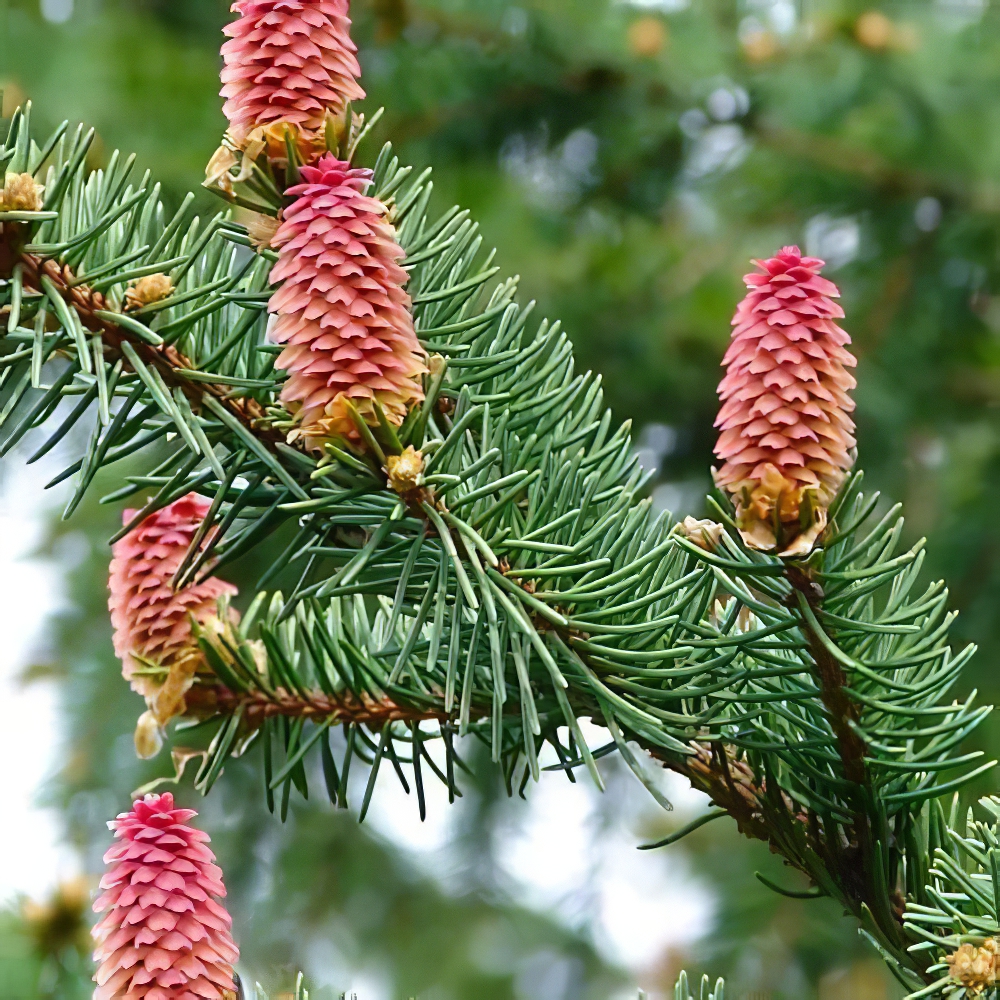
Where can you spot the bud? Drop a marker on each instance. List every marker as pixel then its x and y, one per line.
pixel 705 534
pixel 152 288
pixel 261 229
pixel 975 968
pixel 217 172
pixel 21 193
pixel 405 471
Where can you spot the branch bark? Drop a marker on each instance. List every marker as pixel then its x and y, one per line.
pixel 166 359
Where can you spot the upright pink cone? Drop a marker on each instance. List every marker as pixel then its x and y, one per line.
pixel 342 312
pixel 786 431
pixel 163 935
pixel 288 61
pixel 152 621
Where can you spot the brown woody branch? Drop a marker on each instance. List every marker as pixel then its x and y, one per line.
pixel 344 707
pixel 713 769
pixel 165 358
pixel 86 302
pixel 855 863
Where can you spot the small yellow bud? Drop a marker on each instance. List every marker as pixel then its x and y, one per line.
pixel 261 229
pixel 705 534
pixel 217 172
pixel 21 193
pixel 975 968
pixel 435 365
pixel 148 736
pixel 405 471
pixel 152 288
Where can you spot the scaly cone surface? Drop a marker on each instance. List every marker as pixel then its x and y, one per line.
pixel 786 432
pixel 152 621
pixel 288 61
pixel 163 935
pixel 342 312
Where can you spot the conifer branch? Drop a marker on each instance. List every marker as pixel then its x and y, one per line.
pixel 485 563
pixel 91 308
pixel 341 708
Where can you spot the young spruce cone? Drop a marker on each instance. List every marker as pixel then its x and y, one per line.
pixel 342 312
pixel 288 62
pixel 163 936
pixel 786 431
pixel 152 621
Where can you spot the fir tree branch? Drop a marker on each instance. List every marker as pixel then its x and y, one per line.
pixel 92 309
pixel 341 708
pixel 515 582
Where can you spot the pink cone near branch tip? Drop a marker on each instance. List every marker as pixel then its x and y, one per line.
pixel 786 432
pixel 164 935
pixel 152 621
pixel 342 312
pixel 288 61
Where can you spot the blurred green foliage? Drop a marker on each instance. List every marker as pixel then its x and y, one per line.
pixel 19 966
pixel 627 159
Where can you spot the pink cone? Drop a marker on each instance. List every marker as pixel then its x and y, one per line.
pixel 152 621
pixel 342 311
pixel 163 935
pixel 786 431
pixel 288 61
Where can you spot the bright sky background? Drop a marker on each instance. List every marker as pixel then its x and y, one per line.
pixel 30 589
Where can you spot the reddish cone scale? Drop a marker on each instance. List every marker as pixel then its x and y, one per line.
pixel 342 312
pixel 288 61
pixel 163 935
pixel 152 621
pixel 786 433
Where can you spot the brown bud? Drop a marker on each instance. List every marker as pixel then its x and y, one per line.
pixel 405 471
pixel 152 288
